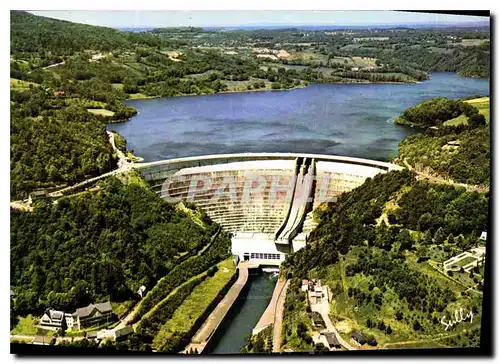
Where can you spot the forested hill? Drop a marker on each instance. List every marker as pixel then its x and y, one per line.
pixel 104 245
pixel 31 33
pixel 381 247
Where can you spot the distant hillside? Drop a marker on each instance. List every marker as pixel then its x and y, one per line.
pixel 31 33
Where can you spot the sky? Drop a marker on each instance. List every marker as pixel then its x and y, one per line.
pixel 205 18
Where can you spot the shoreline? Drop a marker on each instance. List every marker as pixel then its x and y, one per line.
pixel 279 89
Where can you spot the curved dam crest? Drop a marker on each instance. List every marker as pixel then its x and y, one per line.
pixel 264 199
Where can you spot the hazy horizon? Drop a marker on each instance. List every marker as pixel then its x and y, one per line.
pixel 271 18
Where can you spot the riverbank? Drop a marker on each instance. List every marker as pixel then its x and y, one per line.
pixel 201 338
pixel 146 97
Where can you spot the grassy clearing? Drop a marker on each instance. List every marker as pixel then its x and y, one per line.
pixel 119 308
pixel 471 42
pixel 102 112
pixel 132 177
pixel 139 96
pixel 364 61
pixel 197 302
pixel 342 61
pixel 117 86
pixel 482 104
pixel 462 119
pixel 307 56
pixel 464 261
pixel 21 85
pixel 26 326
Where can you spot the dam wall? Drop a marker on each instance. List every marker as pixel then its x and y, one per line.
pixel 261 198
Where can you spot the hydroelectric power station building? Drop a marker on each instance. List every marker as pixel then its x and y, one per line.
pixel 264 199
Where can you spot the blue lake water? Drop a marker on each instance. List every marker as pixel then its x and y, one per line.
pixel 342 119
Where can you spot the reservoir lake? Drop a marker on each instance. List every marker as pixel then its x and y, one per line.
pixel 342 119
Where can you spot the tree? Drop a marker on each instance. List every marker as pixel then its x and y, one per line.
pixel 258 346
pixel 399 315
pixel 388 330
pixel 477 120
pixel 417 326
pixel 405 240
pixel 450 239
pixel 439 236
pixel 381 325
pixel 369 323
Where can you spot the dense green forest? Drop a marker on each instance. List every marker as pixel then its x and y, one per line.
pixel 52 40
pixel 352 220
pixel 383 237
pixel 101 245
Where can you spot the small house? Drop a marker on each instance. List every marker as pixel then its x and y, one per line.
pixel 121 334
pixel 93 314
pixel 141 290
pixel 359 338
pixel 70 320
pixel 305 285
pixel 36 195
pixel 317 320
pixel 483 236
pixel 332 340
pixel 52 319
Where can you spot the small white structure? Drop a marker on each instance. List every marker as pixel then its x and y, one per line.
pixel 305 285
pixel 141 290
pixel 258 247
pixel 483 236
pixel 70 320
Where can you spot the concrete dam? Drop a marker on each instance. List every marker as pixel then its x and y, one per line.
pixel 264 199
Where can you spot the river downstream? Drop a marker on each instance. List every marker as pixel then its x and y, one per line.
pixel 343 119
pixel 244 315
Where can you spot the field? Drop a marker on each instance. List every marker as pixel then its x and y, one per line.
pixel 307 56
pixel 470 42
pixel 102 112
pixel 355 61
pixel 26 326
pixel 193 306
pixel 21 85
pixel 482 104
